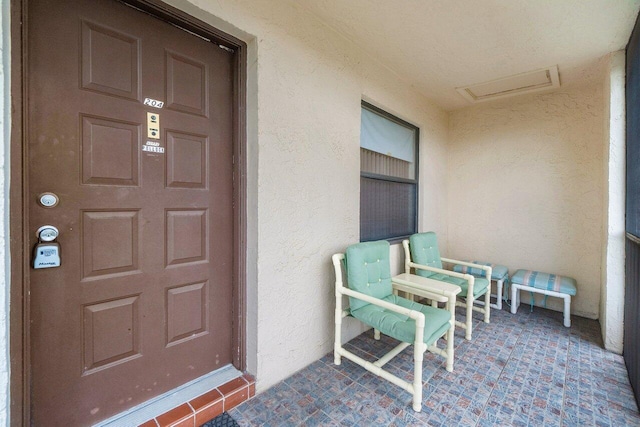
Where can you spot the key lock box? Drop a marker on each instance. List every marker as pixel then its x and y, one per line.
pixel 46 254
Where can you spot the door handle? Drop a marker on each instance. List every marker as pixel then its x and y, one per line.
pixel 46 254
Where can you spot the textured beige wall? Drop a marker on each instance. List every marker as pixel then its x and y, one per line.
pixel 525 185
pixel 305 87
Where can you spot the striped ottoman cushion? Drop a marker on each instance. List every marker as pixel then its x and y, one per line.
pixel 550 282
pixel 498 272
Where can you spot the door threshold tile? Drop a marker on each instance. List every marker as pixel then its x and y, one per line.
pixel 190 402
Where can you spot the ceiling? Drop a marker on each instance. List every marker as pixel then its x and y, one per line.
pixel 439 45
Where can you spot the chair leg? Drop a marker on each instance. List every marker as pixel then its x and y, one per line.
pixel 514 298
pixel 337 344
pixel 487 305
pixel 450 337
pixel 418 352
pixel 376 334
pixel 567 311
pixel 499 285
pixel 469 319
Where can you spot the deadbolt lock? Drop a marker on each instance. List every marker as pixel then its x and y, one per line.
pixel 48 200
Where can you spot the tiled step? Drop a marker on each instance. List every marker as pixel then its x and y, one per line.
pixel 207 406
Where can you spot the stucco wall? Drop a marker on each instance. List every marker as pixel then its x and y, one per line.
pixel 307 82
pixel 525 187
pixel 614 163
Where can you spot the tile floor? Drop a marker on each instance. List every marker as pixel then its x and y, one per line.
pixel 522 370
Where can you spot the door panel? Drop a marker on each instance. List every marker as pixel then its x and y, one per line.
pixel 142 302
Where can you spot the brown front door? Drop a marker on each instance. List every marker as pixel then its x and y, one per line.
pixel 142 301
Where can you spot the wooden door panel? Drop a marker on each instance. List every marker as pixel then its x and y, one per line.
pixel 186 84
pixel 143 300
pixel 187 312
pixel 110 243
pixel 110 151
pixel 110 61
pixel 186 160
pixel 187 237
pixel 111 333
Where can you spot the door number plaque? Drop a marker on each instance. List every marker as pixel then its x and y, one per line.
pixel 153 103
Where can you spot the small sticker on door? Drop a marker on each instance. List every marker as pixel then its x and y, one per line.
pixel 153 147
pixel 153 103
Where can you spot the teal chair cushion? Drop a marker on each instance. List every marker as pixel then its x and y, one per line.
pixel 498 272
pixel 401 327
pixel 480 285
pixel 550 282
pixel 424 251
pixel 368 271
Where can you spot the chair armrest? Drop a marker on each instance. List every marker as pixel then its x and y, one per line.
pixel 416 315
pixel 468 277
pixel 486 268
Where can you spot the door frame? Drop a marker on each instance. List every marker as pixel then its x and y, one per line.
pixel 19 317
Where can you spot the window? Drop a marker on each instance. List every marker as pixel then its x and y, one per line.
pixel 388 176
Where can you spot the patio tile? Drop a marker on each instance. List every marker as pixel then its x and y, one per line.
pixel 519 370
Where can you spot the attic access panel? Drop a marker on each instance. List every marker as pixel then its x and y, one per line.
pixel 533 81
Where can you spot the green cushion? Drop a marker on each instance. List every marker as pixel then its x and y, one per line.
pixel 368 271
pixel 498 272
pixel 480 284
pixel 424 250
pixel 401 327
